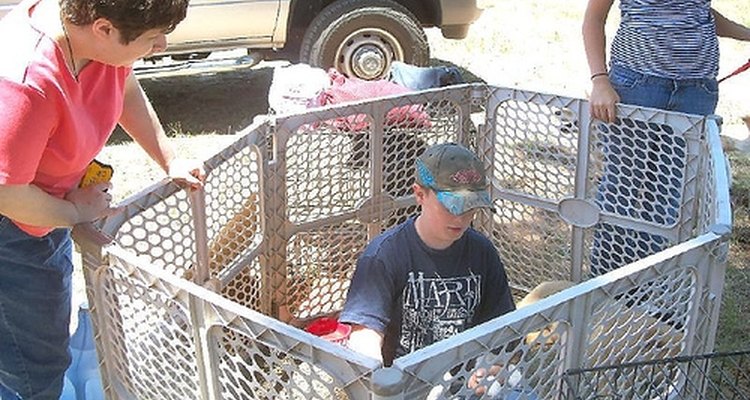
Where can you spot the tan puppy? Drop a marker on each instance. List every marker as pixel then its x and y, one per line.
pixel 544 289
pixel 653 336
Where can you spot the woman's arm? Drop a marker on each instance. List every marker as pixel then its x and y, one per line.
pixel 603 97
pixel 141 122
pixel 32 206
pixel 730 29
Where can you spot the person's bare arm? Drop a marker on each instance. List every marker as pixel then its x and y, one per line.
pixel 366 341
pixel 603 97
pixel 730 29
pixel 32 206
pixel 141 122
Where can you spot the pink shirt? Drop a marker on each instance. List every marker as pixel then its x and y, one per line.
pixel 51 125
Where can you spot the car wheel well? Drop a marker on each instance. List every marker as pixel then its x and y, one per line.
pixel 302 13
pixel 362 38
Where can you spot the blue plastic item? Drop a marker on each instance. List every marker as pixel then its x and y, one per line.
pixel 68 392
pixel 84 367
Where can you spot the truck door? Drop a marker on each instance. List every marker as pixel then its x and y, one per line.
pixel 217 24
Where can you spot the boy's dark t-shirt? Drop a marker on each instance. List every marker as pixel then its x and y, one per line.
pixel 417 296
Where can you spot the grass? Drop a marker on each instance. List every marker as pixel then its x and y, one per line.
pixel 734 325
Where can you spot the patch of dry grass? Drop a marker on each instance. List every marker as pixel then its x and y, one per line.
pixel 734 326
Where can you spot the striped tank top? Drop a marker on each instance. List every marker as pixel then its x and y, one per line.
pixel 673 39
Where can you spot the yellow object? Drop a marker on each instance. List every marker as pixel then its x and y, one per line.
pixel 96 172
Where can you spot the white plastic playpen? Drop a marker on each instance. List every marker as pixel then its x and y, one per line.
pixel 202 295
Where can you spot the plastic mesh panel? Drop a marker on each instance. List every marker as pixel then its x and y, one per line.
pixel 152 347
pixel 163 234
pixel 249 369
pixel 648 322
pixel 644 170
pixel 322 177
pixel 233 209
pixel 245 287
pixel 524 368
pixel 319 269
pixel 613 246
pixel 535 149
pixel 523 371
pixel 534 243
pixel 401 148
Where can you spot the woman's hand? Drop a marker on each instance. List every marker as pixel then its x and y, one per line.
pixel 603 99
pixel 187 171
pixel 92 202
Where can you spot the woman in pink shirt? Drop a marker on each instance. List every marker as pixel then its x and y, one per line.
pixel 65 81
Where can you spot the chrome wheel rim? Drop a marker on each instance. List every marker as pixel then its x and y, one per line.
pixel 368 53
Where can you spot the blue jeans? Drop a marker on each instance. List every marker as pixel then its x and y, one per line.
pixel 643 165
pixel 35 291
pixel 691 96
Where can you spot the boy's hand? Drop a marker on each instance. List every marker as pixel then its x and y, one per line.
pixel 480 379
pixel 91 202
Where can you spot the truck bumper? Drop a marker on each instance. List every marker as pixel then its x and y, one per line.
pixel 457 16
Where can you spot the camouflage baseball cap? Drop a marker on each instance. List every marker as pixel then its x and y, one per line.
pixel 456 175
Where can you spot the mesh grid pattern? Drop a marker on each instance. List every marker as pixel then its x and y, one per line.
pixel 320 265
pixel 290 206
pixel 245 288
pixel 651 317
pixel 151 346
pixel 644 170
pixel 233 209
pixel 248 369
pixel 518 370
pixel 163 233
pixel 709 376
pixel 319 179
pixel 535 149
pixel 708 201
pixel 234 216
pixel 534 243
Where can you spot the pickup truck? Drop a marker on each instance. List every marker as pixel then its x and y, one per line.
pixel 358 37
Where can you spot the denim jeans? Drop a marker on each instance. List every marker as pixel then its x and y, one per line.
pixel 35 295
pixel 691 96
pixel 643 177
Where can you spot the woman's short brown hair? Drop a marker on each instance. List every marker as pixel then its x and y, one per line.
pixel 131 17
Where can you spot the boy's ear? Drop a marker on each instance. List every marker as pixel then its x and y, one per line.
pixel 419 193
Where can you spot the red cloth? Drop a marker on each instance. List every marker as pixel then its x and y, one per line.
pixel 345 90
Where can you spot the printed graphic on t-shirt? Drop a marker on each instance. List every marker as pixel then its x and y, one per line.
pixel 437 308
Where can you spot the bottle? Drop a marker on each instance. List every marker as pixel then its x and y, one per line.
pixel 84 367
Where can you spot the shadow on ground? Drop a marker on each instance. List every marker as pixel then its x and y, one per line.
pixel 218 101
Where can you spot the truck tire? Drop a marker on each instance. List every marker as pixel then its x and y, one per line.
pixel 361 38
